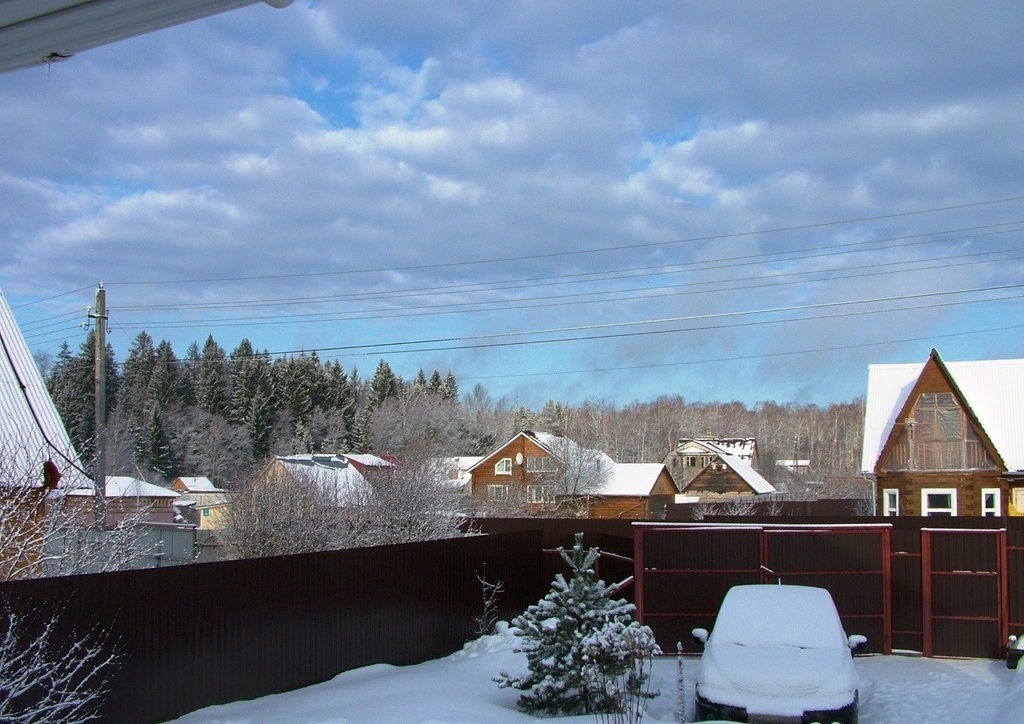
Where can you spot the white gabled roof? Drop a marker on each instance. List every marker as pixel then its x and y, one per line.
pixel 750 476
pixel 333 474
pixel 631 479
pixel 199 485
pixel 740 447
pixel 569 450
pixel 31 430
pixel 370 461
pixel 993 389
pixel 123 486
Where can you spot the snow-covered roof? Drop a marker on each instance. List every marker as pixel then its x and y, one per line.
pixel 750 476
pixel 631 479
pixel 199 485
pixel 569 450
pixel 123 486
pixel 31 430
pixel 740 447
pixel 993 389
pixel 367 460
pixel 456 469
pixel 33 33
pixel 334 474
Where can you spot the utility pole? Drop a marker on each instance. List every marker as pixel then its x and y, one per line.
pixel 100 472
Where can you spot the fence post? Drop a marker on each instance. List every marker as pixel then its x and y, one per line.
pixel 926 592
pixel 638 571
pixel 887 590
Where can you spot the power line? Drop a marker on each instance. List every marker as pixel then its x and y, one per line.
pixel 598 250
pixel 595 297
pixel 740 358
pixel 801 254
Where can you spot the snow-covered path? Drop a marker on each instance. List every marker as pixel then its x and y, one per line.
pixel 459 690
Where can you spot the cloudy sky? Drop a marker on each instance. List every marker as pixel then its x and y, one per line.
pixel 726 201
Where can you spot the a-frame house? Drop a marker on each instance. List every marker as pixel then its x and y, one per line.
pixel 946 438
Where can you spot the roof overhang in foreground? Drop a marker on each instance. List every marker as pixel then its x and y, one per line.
pixel 34 32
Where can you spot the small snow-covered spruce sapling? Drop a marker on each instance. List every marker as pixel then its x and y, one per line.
pixel 584 651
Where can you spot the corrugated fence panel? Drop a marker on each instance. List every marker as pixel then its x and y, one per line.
pixel 1015 574
pixel 198 635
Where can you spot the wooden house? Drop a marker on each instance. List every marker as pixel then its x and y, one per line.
pixel 946 438
pixel 692 455
pixel 537 472
pixel 727 476
pixel 127 498
pixel 639 491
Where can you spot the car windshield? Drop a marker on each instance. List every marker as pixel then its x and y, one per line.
pixel 779 616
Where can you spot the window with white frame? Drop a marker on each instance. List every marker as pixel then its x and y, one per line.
pixel 497 492
pixel 890 502
pixel 545 464
pixel 938 501
pixel 539 494
pixel 503 467
pixel 990 502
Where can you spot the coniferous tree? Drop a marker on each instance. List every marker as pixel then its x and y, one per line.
pixel 523 419
pixel 573 639
pixel 158 449
pixel 190 374
pixel 165 384
pixel 419 384
pixel 436 384
pixel 134 395
pixel 341 401
pixel 72 385
pixel 254 402
pixel 384 385
pixel 450 388
pixel 212 379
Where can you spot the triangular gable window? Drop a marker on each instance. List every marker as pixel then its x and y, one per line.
pixel 938 436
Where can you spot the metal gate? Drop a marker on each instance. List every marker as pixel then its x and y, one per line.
pixel 682 572
pixel 964 592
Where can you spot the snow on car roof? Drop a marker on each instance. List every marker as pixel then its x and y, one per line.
pixel 767 615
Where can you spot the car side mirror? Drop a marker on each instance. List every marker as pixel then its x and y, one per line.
pixel 857 642
pixel 699 636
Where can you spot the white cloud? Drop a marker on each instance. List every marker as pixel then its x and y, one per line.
pixel 343 137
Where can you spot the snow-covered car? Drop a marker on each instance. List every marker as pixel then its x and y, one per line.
pixel 777 653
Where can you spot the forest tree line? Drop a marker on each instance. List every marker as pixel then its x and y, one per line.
pixel 220 414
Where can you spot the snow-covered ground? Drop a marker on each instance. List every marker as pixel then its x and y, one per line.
pixel 458 690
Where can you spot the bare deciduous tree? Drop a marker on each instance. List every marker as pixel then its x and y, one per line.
pixel 46 676
pixel 411 501
pixel 280 512
pixel 580 471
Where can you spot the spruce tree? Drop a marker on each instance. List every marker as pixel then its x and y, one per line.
pixel 576 639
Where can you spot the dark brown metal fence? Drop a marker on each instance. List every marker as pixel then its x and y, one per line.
pixel 193 636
